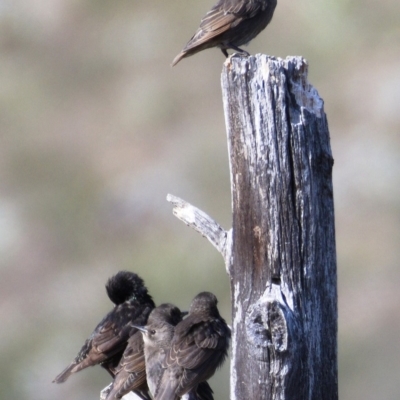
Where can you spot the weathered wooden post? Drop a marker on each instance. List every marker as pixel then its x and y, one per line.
pixel 280 252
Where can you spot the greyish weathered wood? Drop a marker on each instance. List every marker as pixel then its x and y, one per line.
pixel 283 259
pixel 204 224
pixel 128 396
pixel 280 253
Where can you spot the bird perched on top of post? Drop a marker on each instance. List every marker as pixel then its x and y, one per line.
pixel 199 346
pixel 228 25
pixel 107 343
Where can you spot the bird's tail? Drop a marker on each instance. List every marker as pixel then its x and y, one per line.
pixel 204 391
pixel 178 58
pixel 65 374
pixel 71 369
pixel 166 391
pixel 124 384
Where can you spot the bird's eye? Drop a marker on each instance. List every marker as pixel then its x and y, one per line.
pixel 152 332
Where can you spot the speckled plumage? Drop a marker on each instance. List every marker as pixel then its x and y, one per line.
pixel 130 373
pixel 109 339
pixel 199 346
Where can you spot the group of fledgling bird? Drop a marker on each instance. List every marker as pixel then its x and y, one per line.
pixel 159 352
pixel 156 352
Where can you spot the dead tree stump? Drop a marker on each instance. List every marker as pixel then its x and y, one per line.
pixel 280 253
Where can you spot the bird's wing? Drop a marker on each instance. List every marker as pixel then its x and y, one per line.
pixel 112 333
pixel 198 345
pixel 199 351
pixel 131 371
pixel 222 17
pixel 228 10
pixel 133 360
pixel 108 339
pixel 213 24
pixel 103 343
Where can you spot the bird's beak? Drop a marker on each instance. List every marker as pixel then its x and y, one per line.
pixel 142 329
pixel 184 313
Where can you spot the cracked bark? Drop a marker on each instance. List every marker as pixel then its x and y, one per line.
pixel 280 253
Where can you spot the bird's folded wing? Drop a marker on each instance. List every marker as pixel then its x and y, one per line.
pixel 195 348
pixel 108 340
pixel 133 359
pixel 243 9
pixel 221 18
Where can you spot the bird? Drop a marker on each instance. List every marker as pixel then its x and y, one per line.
pixel 157 335
pixel 106 344
pixel 130 373
pixel 228 25
pixel 199 346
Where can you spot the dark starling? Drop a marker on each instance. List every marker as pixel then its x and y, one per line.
pixel 108 341
pixel 199 346
pixel 228 25
pixel 157 335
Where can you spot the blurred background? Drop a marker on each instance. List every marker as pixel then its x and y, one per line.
pixel 96 129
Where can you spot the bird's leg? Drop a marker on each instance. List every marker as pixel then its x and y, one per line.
pixel 225 52
pixel 233 47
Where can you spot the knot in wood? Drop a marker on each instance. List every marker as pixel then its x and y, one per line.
pixel 274 318
pixel 266 327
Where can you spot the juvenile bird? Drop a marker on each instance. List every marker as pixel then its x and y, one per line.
pixel 157 335
pixel 130 373
pixel 228 25
pixel 199 346
pixel 107 343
